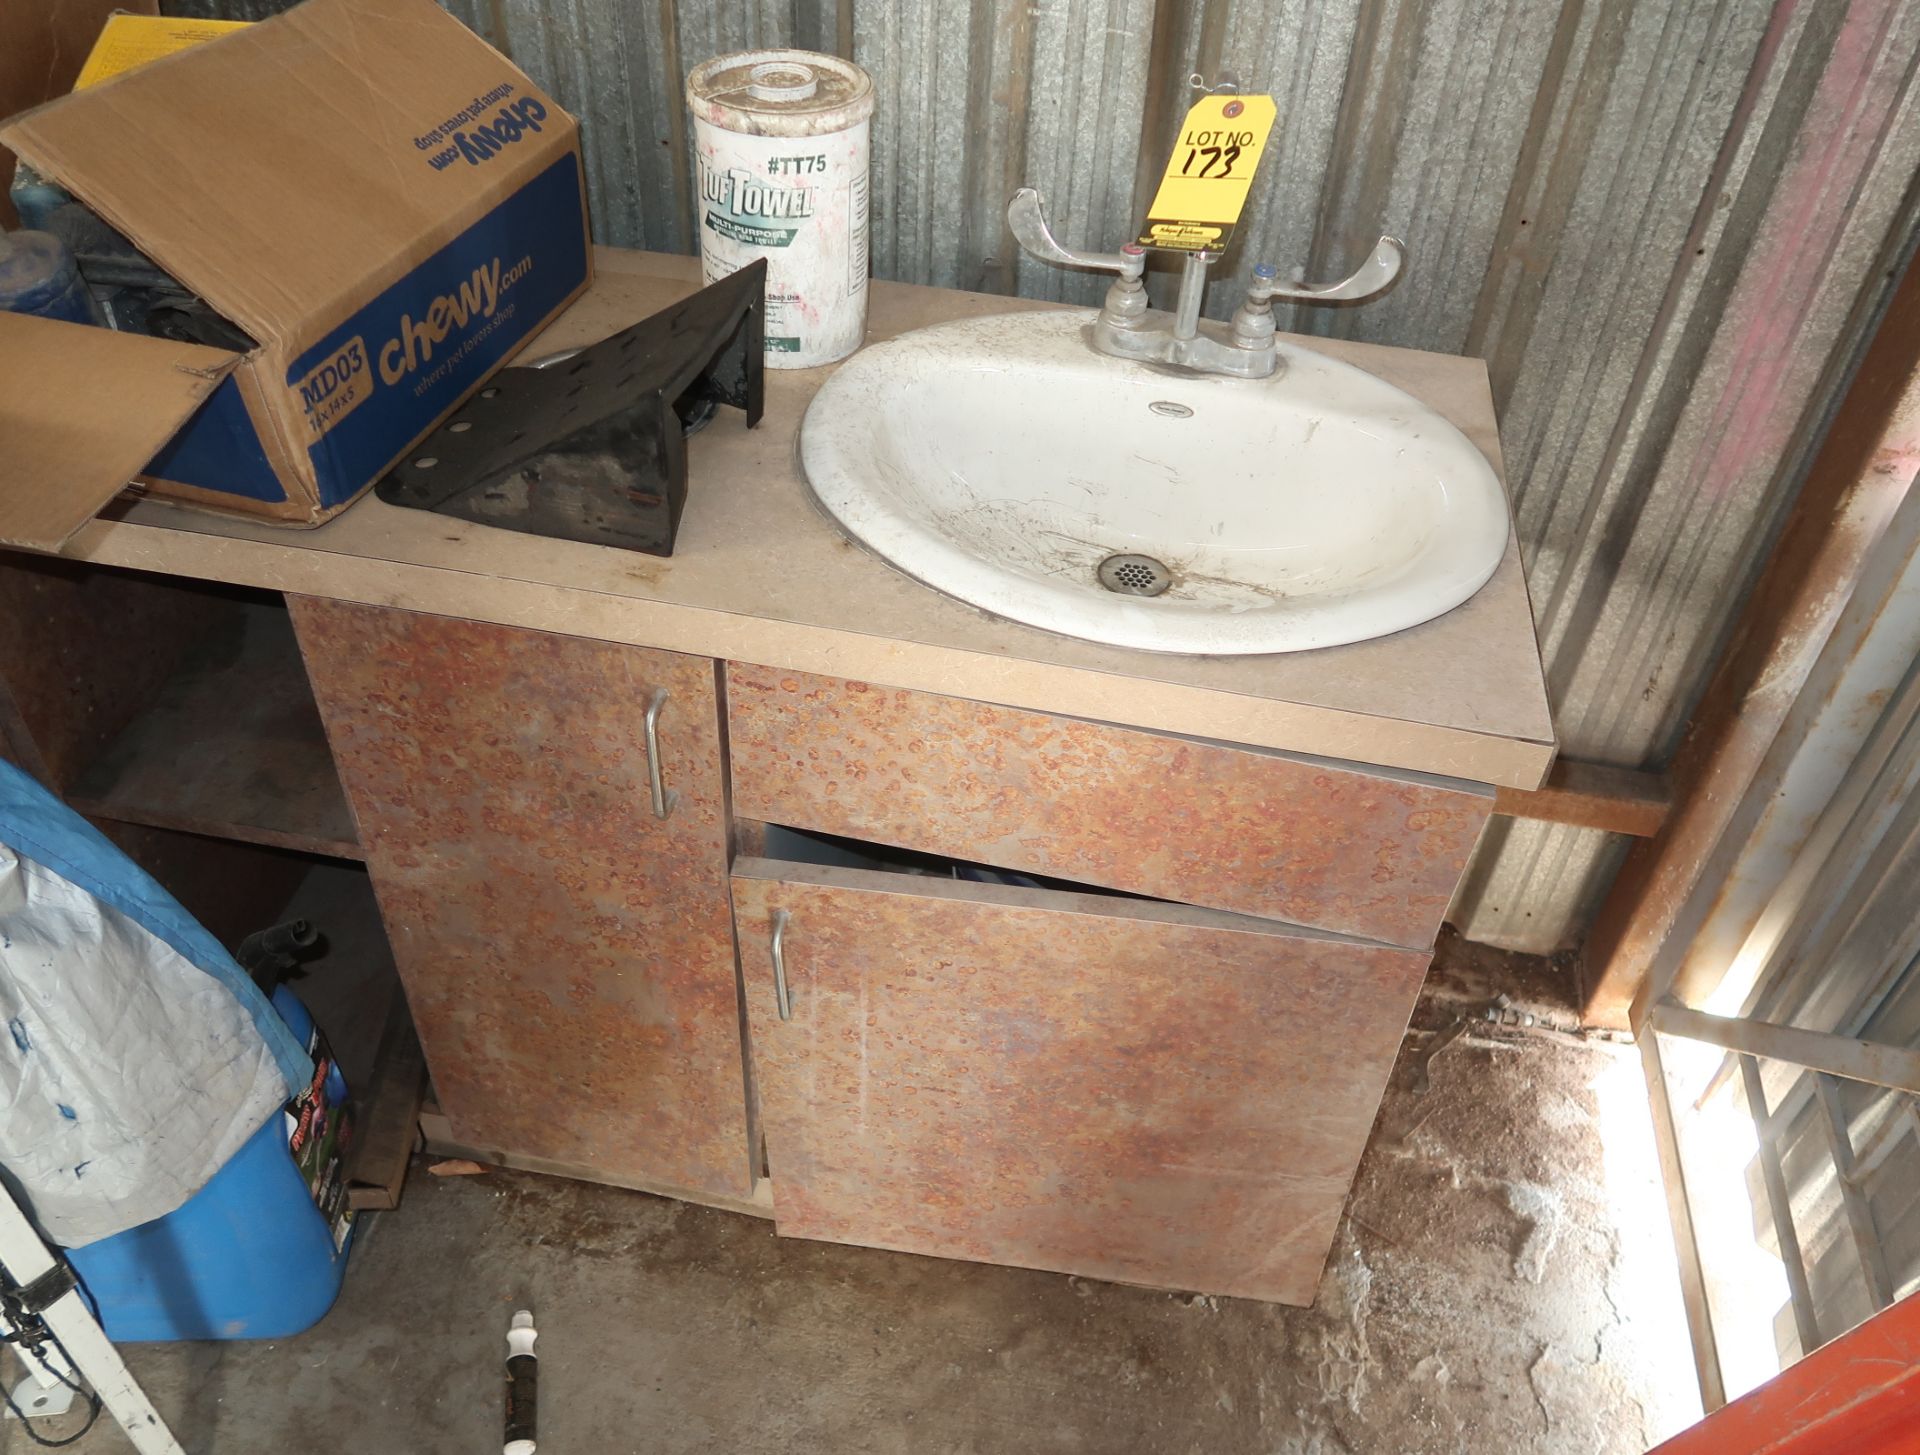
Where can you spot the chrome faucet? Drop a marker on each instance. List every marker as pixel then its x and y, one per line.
pixel 1128 329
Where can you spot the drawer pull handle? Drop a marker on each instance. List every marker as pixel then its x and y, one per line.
pixel 782 998
pixel 663 798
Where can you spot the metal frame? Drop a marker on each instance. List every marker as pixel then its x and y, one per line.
pixel 1871 1061
pixel 1806 1322
pixel 1796 807
pixel 1826 1060
pixel 26 1259
pixel 1860 1224
pixel 1673 1176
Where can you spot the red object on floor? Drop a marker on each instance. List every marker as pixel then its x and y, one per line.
pixel 1858 1395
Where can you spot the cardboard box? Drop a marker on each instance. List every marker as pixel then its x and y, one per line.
pixel 365 188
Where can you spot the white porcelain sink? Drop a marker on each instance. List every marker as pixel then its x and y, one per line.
pixel 1001 460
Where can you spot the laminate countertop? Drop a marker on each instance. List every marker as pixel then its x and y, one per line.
pixel 761 574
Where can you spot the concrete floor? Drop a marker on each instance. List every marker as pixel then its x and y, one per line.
pixel 1503 1282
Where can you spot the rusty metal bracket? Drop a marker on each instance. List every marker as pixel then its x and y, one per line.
pixel 593 448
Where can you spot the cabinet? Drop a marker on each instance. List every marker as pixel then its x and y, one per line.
pixel 1091 1084
pixel 568 954
pixel 1157 1064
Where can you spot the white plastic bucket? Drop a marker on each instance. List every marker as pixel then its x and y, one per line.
pixel 780 172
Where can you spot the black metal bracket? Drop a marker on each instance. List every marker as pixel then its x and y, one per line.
pixel 592 446
pixel 31 1299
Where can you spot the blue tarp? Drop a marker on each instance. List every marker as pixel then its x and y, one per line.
pixel 35 823
pixel 137 1055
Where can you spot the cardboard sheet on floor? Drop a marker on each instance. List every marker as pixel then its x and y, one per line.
pixel 81 411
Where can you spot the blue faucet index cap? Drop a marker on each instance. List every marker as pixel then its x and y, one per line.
pixel 1266 272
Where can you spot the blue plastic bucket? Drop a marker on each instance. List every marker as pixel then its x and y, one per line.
pixel 250 1255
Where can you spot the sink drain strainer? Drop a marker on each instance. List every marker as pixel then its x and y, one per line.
pixel 1134 575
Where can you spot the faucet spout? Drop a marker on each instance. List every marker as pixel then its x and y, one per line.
pixel 1193 291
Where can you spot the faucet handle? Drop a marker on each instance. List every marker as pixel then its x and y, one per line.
pixel 1389 256
pixel 1027 218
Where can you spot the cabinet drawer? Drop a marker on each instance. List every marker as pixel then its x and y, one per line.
pixel 1335 846
pixel 1149 1093
pixel 566 950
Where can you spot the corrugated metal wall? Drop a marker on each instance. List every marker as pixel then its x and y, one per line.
pixel 1666 224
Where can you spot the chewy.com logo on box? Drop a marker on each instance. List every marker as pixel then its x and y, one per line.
pixel 474 141
pixel 335 388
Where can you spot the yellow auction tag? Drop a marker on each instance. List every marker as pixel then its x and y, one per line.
pixel 1206 181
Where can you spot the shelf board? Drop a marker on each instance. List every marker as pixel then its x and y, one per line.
pixel 231 745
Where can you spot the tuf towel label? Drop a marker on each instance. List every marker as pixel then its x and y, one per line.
pixel 753 209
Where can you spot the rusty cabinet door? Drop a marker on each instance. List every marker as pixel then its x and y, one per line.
pixel 568 955
pixel 1339 846
pixel 1143 1092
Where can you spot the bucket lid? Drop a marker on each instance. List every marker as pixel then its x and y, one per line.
pixel 780 93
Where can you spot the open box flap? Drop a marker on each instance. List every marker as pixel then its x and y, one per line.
pixel 207 159
pixel 81 411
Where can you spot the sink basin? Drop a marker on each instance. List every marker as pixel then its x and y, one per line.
pixel 1003 461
